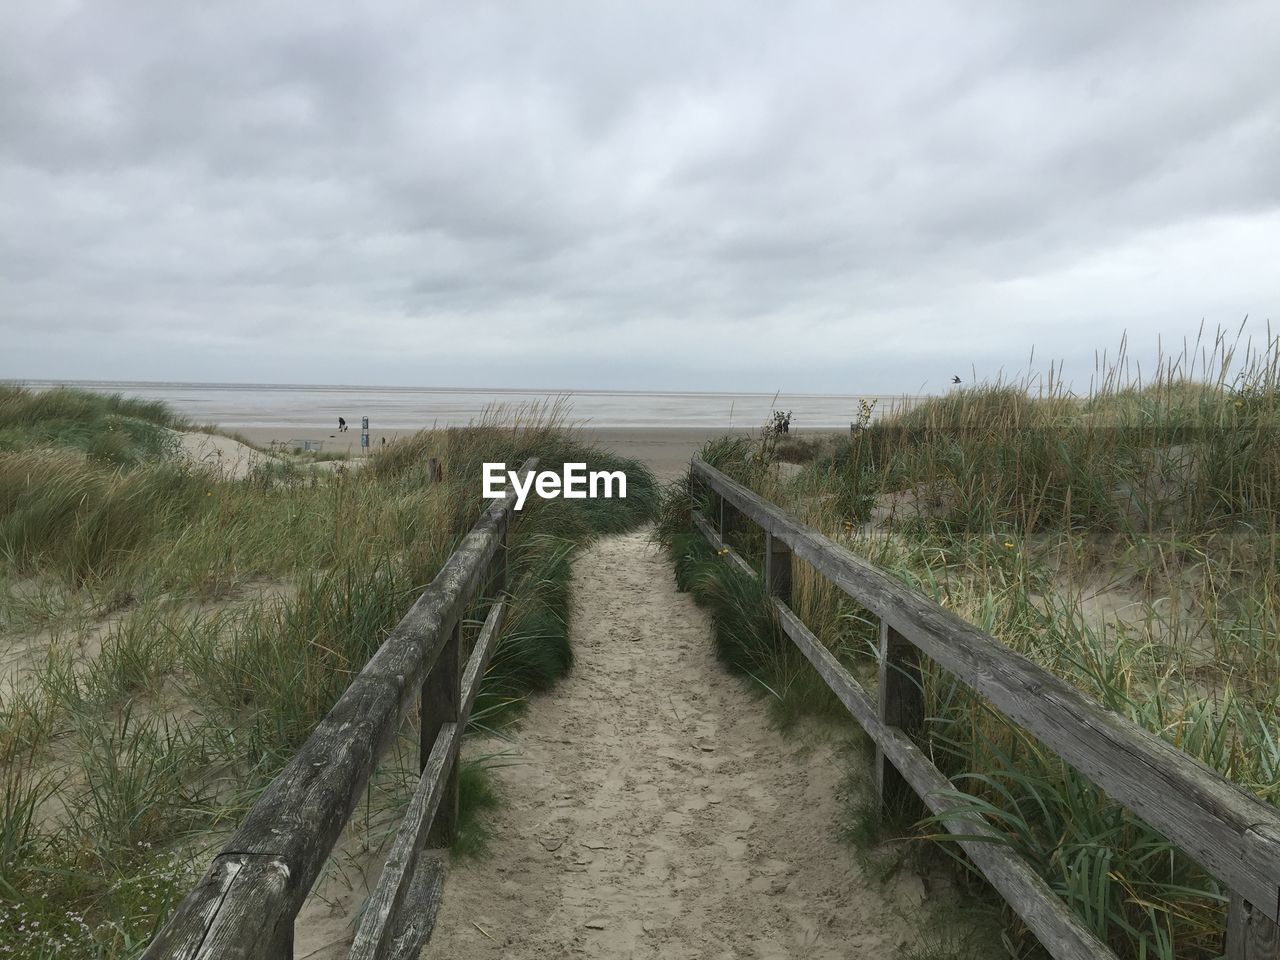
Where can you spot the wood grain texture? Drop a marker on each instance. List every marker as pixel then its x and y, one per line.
pixel 1232 834
pixel 421 906
pixel 478 662
pixel 1044 913
pixel 1250 934
pixel 241 913
pixel 502 565
pixel 1042 910
pixel 441 705
pixel 376 936
pixel 392 924
pixel 299 817
pixel 1058 929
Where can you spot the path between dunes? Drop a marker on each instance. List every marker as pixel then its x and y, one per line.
pixel 655 812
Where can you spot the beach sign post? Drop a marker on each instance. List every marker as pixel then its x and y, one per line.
pixel 364 433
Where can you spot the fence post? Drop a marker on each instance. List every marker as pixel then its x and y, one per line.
pixel 901 706
pixel 441 702
pixel 777 567
pixel 496 573
pixel 284 943
pixel 503 562
pixel 693 493
pixel 728 519
pixel 1251 935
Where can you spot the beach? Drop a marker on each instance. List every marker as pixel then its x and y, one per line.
pixel 139 598
pixel 664 450
pixel 662 429
pixel 314 407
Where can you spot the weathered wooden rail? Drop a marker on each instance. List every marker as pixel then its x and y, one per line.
pixel 246 903
pixel 1232 834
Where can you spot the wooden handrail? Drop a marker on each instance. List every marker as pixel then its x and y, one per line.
pixel 1231 833
pixel 382 915
pixel 245 905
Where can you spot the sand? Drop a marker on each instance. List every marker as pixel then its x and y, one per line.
pixel 656 812
pixel 665 450
pixel 224 455
pixel 652 809
pixel 649 809
pixel 332 440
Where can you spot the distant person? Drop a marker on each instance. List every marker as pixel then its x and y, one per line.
pixel 342 424
pixel 384 441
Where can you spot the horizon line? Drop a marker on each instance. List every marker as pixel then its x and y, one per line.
pixel 562 391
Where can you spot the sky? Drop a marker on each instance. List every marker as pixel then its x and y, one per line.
pixel 746 195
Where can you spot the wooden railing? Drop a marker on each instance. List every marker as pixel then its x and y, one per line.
pixel 246 903
pixel 1232 834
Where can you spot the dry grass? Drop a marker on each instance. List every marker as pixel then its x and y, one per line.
pixel 184 633
pixel 1127 540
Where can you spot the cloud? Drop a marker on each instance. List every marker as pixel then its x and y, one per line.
pixel 712 195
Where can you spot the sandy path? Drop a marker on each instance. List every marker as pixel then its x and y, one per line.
pixel 655 812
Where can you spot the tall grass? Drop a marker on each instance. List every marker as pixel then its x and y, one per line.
pixel 1125 540
pixel 63 513
pixel 190 632
pixel 109 428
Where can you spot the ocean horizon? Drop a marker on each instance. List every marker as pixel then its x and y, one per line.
pixel 247 405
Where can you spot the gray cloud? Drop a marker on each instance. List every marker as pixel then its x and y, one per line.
pixel 718 195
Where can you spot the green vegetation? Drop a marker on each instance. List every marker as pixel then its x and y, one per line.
pixel 172 637
pixel 1128 541
pixel 108 428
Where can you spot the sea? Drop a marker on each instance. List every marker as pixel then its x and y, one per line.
pixel 239 405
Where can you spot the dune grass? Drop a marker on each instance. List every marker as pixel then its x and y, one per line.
pixel 106 427
pixel 186 632
pixel 1126 540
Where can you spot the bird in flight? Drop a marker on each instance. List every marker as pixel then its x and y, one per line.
pixel 955 379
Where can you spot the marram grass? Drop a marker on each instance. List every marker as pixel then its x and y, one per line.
pixel 187 632
pixel 1127 540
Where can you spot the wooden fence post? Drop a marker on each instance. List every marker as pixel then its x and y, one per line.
pixel 503 561
pixel 777 567
pixel 694 483
pixel 1251 935
pixel 441 702
pixel 901 706
pixel 284 943
pixel 728 519
pixel 497 573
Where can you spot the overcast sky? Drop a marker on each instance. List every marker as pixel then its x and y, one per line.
pixel 836 196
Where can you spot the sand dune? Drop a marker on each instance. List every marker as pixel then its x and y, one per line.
pixel 211 451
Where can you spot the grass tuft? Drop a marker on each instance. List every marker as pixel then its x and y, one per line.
pixel 1128 541
pixel 188 631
